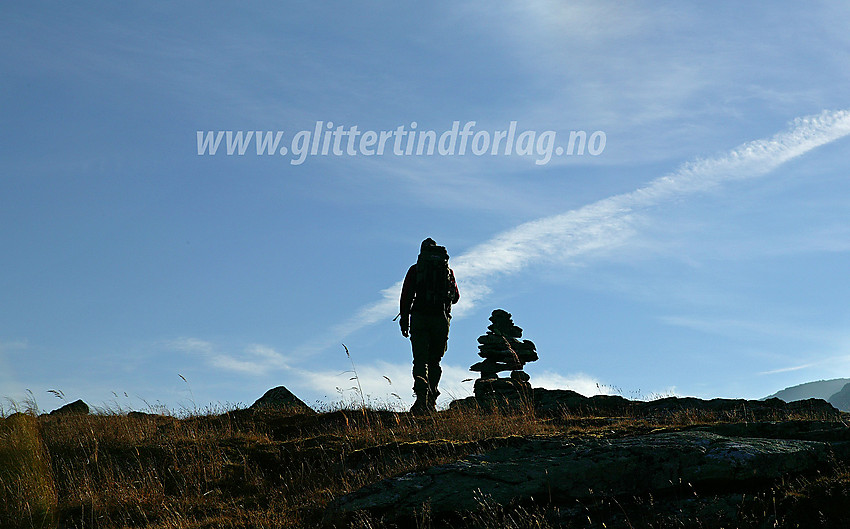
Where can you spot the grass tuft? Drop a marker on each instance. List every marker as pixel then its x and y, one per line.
pixel 27 493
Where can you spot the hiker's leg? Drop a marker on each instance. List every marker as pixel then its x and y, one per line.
pixel 420 340
pixel 437 345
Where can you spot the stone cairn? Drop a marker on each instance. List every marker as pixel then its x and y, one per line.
pixel 503 350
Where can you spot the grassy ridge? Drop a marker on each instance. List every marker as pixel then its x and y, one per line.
pixel 272 469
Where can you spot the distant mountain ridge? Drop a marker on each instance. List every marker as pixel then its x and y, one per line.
pixel 832 391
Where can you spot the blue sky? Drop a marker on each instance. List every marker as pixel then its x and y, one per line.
pixel 703 252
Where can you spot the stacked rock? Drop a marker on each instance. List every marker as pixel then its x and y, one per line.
pixel 503 350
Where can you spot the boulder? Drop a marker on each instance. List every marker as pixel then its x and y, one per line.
pixel 140 415
pixel 563 470
pixel 280 398
pixel 551 402
pixel 502 390
pixel 78 407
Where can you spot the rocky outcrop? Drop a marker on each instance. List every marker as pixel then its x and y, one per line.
pixel 78 407
pixel 557 402
pixel 738 446
pixel 559 471
pixel 756 410
pixel 280 398
pixel 554 402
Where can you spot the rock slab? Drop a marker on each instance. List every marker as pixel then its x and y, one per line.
pixel 560 469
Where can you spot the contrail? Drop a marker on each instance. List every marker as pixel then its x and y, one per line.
pixel 608 223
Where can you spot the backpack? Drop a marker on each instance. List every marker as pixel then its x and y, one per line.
pixel 433 279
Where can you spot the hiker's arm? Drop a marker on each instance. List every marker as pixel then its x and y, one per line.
pixel 406 302
pixel 456 292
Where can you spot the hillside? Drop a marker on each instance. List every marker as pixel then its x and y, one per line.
pixel 562 460
pixel 821 389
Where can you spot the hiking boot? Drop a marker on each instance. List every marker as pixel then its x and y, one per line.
pixel 432 404
pixel 420 407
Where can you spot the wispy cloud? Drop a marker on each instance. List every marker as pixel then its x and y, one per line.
pixel 739 327
pixel 830 361
pixel 787 369
pixel 390 383
pixel 381 383
pixel 609 223
pixel 14 345
pixel 254 359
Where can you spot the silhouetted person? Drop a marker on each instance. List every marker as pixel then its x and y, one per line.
pixel 426 302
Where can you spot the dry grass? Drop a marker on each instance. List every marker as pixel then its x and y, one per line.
pixel 236 469
pixel 27 493
pixel 244 469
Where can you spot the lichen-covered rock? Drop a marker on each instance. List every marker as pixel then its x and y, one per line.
pixel 560 471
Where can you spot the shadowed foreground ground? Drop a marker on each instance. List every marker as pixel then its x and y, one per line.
pixel 603 463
